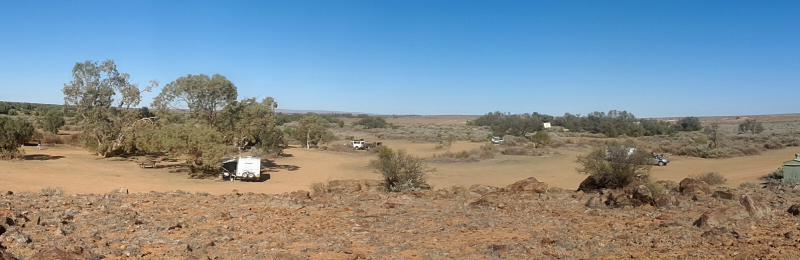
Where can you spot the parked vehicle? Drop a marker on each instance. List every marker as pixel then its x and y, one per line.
pixel 242 168
pixel 660 160
pixel 364 145
pixel 497 140
pixel 657 159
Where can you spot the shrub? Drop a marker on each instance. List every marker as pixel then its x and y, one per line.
pixel 658 190
pixel 482 153
pixel 52 121
pixel 370 122
pixel 401 171
pixel 14 132
pixel 752 126
pixel 775 175
pixel 613 166
pixel 541 138
pixel 712 178
pixel 689 124
pixel 52 191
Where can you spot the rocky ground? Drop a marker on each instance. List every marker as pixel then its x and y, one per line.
pixel 354 219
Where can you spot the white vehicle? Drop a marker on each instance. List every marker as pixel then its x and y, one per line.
pixel 364 145
pixel 497 140
pixel 242 168
pixel 360 145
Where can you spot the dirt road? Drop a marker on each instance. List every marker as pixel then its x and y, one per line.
pixel 78 171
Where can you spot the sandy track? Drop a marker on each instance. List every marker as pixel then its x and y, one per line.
pixel 77 171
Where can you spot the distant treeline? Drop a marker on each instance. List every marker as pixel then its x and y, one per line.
pixel 22 108
pixel 612 124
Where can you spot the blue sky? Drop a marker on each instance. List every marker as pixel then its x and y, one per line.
pixel 653 58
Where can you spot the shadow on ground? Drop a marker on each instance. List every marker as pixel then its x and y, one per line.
pixel 273 167
pixel 41 157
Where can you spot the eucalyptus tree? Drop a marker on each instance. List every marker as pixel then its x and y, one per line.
pixel 102 97
pixel 204 96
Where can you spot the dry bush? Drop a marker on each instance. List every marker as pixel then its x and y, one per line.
pixel 612 167
pixel 52 191
pixel 71 139
pixel 658 190
pixel 712 178
pixel 474 155
pixel 401 171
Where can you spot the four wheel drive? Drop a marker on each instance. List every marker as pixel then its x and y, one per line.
pixel 497 140
pixel 660 160
pixel 364 145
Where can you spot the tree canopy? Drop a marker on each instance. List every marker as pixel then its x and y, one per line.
pixel 204 96
pixel 94 90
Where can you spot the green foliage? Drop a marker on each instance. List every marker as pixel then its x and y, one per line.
pixel 689 124
pixel 614 166
pixel 752 126
pixel 144 112
pixel 541 138
pixel 5 107
pixel 311 130
pixel 204 96
pixel 51 121
pixel 202 145
pixel 14 132
pixel 401 171
pixel 94 90
pixel 370 122
pixel 612 124
pixel 656 127
pixel 507 124
pixel 250 123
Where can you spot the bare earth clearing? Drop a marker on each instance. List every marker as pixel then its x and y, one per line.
pixel 78 171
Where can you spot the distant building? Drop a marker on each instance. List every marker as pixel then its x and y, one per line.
pixel 547 125
pixel 791 170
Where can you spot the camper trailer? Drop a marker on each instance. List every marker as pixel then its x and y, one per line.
pixel 243 168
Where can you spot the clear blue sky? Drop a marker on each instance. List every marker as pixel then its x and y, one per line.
pixel 653 58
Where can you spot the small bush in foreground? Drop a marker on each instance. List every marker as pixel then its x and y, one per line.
pixel 712 178
pixel 401 171
pixel 614 166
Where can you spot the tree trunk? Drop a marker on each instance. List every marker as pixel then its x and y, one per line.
pixel 308 139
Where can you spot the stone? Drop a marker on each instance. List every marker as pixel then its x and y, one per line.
pixel 723 194
pixel 691 186
pixel 794 210
pixel 705 220
pixel 528 185
pixel 750 206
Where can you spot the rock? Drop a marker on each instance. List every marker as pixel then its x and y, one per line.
pixel 590 184
pixel 723 194
pixel 60 254
pixel 619 200
pixel 5 255
pixel 705 220
pixel 482 189
pixel 750 206
pixel 794 209
pixel 528 185
pixel 691 186
pixel 595 202
pixel 300 195
pixel 491 200
pixel 642 195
